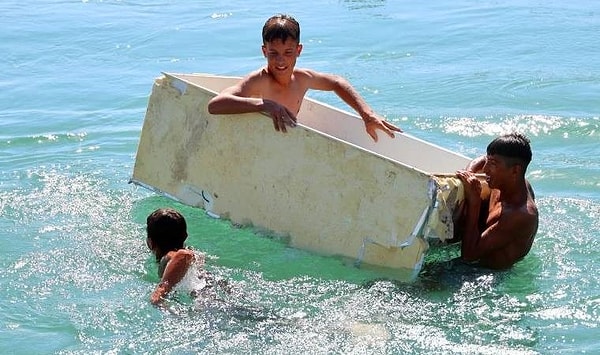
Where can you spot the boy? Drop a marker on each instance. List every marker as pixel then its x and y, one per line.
pixel 499 231
pixel 279 88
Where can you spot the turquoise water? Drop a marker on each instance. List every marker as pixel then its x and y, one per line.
pixel 75 79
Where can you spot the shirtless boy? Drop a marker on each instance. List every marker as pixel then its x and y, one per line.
pixel 279 88
pixel 499 231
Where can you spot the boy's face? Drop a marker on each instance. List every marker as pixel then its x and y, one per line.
pixel 281 56
pixel 498 172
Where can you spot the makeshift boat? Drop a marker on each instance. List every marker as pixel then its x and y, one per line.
pixel 325 184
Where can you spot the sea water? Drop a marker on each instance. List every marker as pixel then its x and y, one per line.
pixel 75 78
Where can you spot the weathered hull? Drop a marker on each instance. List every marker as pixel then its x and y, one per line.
pixel 324 184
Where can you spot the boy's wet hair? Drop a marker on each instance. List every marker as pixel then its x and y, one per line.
pixel 167 229
pixel 281 27
pixel 514 147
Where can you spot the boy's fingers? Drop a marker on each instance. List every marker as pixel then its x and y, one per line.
pixel 373 134
pixel 392 127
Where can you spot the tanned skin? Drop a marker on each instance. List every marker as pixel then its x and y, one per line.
pixel 166 234
pixel 499 231
pixel 279 88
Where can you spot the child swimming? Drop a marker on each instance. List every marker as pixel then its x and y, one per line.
pixel 166 233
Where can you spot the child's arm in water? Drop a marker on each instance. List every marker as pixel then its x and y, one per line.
pixel 177 266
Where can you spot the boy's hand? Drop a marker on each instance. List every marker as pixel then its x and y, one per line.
pixel 472 185
pixel 373 123
pixel 281 116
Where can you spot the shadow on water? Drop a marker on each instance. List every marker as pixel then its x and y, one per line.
pixel 237 311
pixel 444 276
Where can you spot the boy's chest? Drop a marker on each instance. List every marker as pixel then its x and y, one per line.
pixel 291 96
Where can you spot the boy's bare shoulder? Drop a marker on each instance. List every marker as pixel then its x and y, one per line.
pixel 254 79
pixel 184 253
pixel 306 73
pixel 257 74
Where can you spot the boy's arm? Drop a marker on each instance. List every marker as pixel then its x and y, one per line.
pixel 476 244
pixel 476 165
pixel 470 223
pixel 237 99
pixel 174 271
pixel 339 85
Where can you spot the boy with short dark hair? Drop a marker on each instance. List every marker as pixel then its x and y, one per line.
pixel 279 88
pixel 167 231
pixel 498 231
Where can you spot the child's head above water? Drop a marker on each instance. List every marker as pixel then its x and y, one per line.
pixel 167 231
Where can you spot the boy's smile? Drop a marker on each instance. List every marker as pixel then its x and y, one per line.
pixel 281 56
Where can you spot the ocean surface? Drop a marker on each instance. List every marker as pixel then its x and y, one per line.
pixel 75 78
